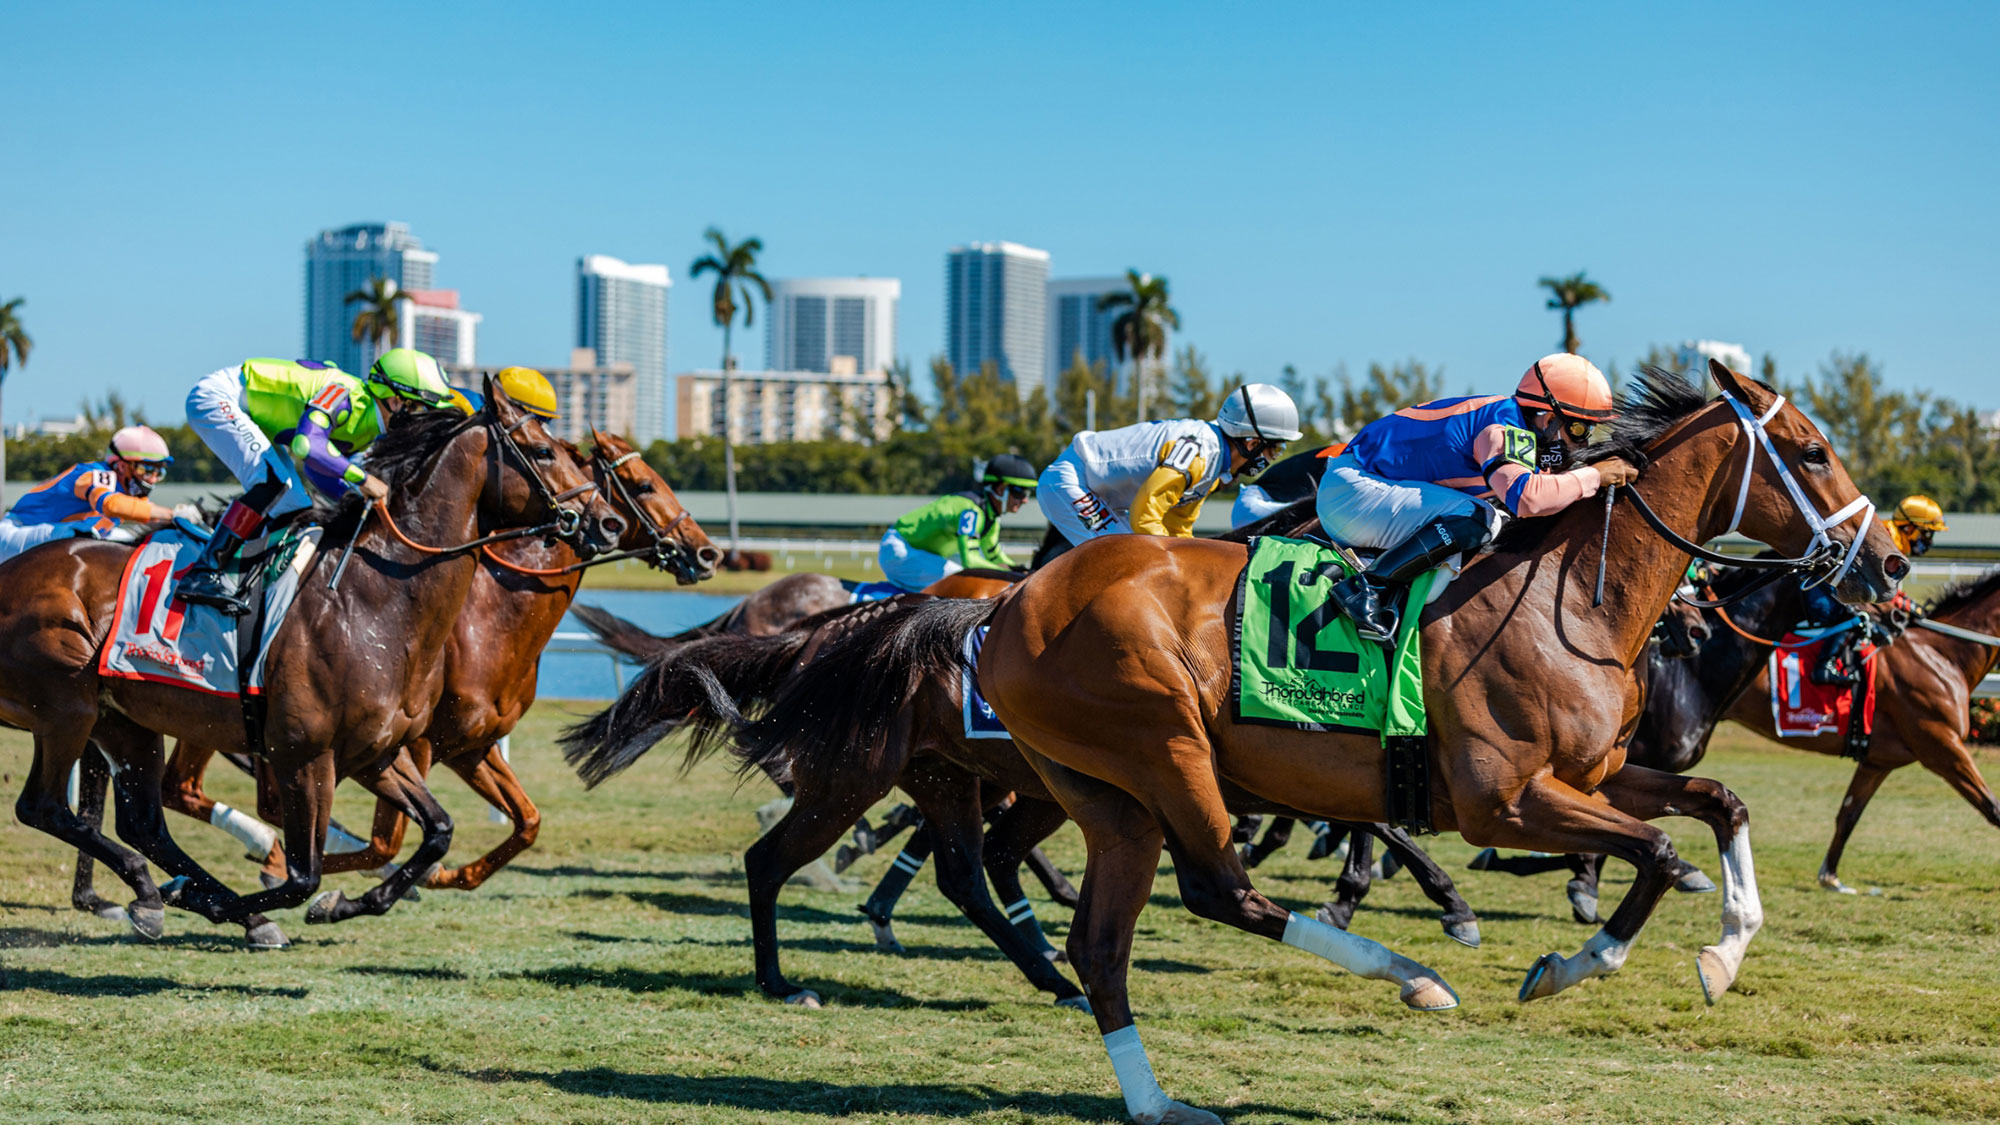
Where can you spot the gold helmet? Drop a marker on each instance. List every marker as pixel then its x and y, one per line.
pixel 529 389
pixel 1920 511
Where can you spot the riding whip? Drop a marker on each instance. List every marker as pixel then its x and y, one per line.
pixel 340 568
pixel 1603 547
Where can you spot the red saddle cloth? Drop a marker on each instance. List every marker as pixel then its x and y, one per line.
pixel 1803 708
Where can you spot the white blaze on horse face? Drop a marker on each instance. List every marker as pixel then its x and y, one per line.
pixel 1742 917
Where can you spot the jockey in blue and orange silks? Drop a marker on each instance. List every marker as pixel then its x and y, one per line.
pixel 1424 483
pixel 91 498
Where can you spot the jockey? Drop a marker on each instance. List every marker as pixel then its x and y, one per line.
pixel 322 414
pixel 1421 485
pixel 90 498
pixel 1913 524
pixel 1286 483
pixel 959 531
pixel 1152 477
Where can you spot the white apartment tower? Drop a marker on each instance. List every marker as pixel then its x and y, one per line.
pixel 1077 326
pixel 996 310
pixel 432 322
pixel 815 321
pixel 621 314
pixel 339 262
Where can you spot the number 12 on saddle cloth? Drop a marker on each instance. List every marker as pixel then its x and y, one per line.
pixel 1299 661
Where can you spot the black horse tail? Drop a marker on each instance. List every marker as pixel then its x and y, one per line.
pixel 841 706
pixel 620 635
pixel 700 687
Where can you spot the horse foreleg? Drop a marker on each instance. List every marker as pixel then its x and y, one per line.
pixel 1868 777
pixel 1355 879
pixel 1460 923
pixel 298 793
pixel 822 809
pixel 94 777
pixel 398 781
pixel 880 908
pixel 493 779
pixel 1275 837
pixel 1647 794
pixel 950 800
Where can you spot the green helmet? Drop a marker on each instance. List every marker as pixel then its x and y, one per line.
pixel 409 373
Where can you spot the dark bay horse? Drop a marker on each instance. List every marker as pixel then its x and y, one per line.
pixel 352 673
pixel 1111 668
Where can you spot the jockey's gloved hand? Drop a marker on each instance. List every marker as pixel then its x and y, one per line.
pixel 190 513
pixel 374 487
pixel 1614 472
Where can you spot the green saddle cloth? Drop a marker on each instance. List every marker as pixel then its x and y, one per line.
pixel 1299 661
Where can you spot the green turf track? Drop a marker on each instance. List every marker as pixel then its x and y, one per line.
pixel 606 977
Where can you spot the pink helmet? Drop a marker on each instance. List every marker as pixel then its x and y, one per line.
pixel 140 443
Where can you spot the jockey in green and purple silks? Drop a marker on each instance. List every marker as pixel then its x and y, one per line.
pixel 321 415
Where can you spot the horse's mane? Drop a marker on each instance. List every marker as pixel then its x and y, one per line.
pixel 1961 594
pixel 1656 401
pixel 412 438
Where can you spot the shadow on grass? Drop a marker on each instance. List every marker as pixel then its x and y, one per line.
pixel 411 972
pixel 1166 965
pixel 114 984
pixel 572 871
pixel 641 981
pixel 117 933
pixel 673 902
pixel 829 1099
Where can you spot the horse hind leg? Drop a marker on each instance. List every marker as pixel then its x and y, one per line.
pixel 1010 842
pixel 493 779
pixel 1355 879
pixel 44 805
pixel 1860 790
pixel 400 783
pixel 1460 923
pixel 94 778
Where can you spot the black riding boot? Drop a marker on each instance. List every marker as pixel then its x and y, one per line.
pixel 204 584
pixel 1373 598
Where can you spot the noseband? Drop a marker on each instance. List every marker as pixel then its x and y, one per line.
pixel 567 524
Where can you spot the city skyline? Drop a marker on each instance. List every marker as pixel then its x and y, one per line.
pixel 1366 185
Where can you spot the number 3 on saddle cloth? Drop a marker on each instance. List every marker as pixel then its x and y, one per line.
pixel 157 638
pixel 1802 706
pixel 1300 663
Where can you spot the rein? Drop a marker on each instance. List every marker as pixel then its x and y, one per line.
pixel 1957 633
pixel 665 551
pixel 566 525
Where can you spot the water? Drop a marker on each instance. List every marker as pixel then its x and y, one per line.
pixel 567 675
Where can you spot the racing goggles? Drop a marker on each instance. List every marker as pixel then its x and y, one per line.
pixel 154 471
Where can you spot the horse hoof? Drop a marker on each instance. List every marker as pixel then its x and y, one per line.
pixel 885 937
pixel 1177 1113
pixel 1426 994
pixel 1080 1003
pixel 804 998
pixel 1540 981
pixel 1583 907
pixel 1693 882
pixel 1056 956
pixel 260 939
pixel 324 908
pixel 1484 860
pixel 844 857
pixel 1714 972
pixel 148 922
pixel 172 889
pixel 1331 917
pixel 110 912
pixel 1833 883
pixel 1464 933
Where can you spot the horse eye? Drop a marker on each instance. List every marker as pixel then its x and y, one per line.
pixel 643 488
pixel 544 453
pixel 1814 455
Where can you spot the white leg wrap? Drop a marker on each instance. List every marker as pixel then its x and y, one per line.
pixel 1742 916
pixel 343 843
pixel 1601 956
pixel 257 837
pixel 1356 954
pixel 1144 1099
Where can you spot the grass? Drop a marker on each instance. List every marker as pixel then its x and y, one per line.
pixel 606 977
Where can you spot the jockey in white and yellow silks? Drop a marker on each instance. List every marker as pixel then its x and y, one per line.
pixel 92 497
pixel 1152 478
pixel 1424 483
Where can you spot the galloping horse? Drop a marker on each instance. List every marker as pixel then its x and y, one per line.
pixel 1111 668
pixel 352 673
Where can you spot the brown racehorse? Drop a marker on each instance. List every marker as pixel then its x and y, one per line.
pixel 491 661
pixel 1111 667
pixel 352 672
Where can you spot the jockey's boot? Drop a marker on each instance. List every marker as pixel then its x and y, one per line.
pixel 1373 598
pixel 204 583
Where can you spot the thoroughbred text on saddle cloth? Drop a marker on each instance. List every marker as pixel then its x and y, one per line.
pixel 155 637
pixel 1300 663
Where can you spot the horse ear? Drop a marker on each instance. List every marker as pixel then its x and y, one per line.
pixel 1745 391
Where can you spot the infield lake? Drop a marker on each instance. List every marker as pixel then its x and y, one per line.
pixel 576 675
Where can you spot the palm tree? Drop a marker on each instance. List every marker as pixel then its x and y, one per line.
pixel 735 270
pixel 380 319
pixel 1570 294
pixel 1140 332
pixel 14 348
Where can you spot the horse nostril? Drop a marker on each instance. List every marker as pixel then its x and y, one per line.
pixel 1896 567
pixel 614 527
pixel 710 557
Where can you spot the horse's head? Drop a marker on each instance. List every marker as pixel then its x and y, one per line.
pixel 535 480
pixel 660 523
pixel 1805 504
pixel 1681 632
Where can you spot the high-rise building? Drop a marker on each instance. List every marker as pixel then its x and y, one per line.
pixel 1693 356
pixel 621 314
pixel 1077 326
pixel 432 322
pixel 996 310
pixel 339 262
pixel 768 406
pixel 588 396
pixel 814 320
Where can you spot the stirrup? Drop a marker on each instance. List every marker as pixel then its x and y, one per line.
pixel 1361 601
pixel 207 587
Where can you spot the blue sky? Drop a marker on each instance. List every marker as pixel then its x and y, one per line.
pixel 1322 183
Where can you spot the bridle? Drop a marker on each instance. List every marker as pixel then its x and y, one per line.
pixel 664 552
pixel 1824 561
pixel 566 525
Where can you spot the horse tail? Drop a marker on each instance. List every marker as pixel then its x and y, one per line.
pixel 700 687
pixel 862 676
pixel 619 634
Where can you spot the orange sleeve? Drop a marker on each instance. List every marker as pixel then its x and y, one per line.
pixel 120 506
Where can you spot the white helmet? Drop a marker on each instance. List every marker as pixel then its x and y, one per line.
pixel 1260 410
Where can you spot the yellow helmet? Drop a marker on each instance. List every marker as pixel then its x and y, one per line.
pixel 1920 511
pixel 529 389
